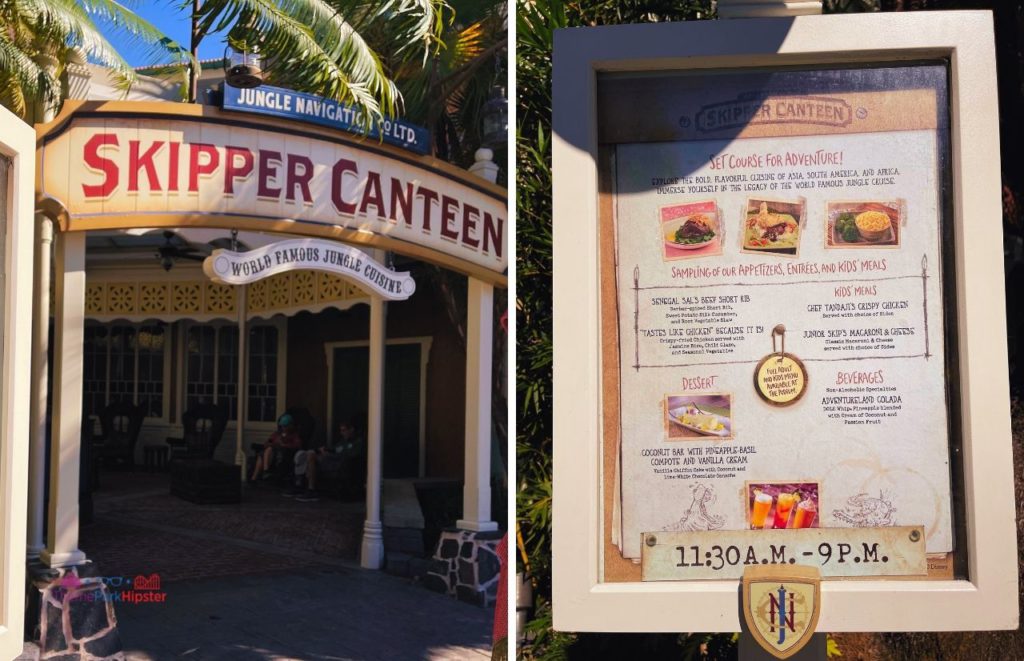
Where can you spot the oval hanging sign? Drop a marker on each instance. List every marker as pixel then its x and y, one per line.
pixel 240 268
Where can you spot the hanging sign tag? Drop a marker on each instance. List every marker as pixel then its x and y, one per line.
pixel 780 378
pixel 239 268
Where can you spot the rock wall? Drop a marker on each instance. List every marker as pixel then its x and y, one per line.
pixel 466 565
pixel 76 616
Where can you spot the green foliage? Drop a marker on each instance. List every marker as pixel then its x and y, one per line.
pixel 448 93
pixel 324 46
pixel 832 647
pixel 426 60
pixel 38 38
pixel 849 6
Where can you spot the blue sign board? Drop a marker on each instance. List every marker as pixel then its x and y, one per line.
pixel 303 107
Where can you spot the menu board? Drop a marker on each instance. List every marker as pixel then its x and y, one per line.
pixel 777 244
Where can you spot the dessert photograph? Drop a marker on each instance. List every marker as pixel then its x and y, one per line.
pixel 698 416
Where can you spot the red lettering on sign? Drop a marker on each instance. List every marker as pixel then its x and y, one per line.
pixel 429 197
pixel 172 166
pixel 337 179
pixel 399 201
pixel 197 169
pixel 372 195
pixel 268 171
pixel 232 169
pixel 296 179
pixel 145 161
pixel 494 228
pixel 469 225
pixel 105 165
pixel 449 207
pixel 355 192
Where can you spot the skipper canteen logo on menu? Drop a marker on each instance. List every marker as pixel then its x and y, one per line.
pixel 753 110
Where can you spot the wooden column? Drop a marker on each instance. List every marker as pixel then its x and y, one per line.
pixel 40 388
pixel 66 427
pixel 372 552
pixel 476 492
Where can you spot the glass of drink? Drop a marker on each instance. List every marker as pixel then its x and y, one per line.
pixel 783 508
pixel 805 513
pixel 759 512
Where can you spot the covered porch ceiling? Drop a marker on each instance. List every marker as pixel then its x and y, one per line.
pixel 132 276
pixel 141 245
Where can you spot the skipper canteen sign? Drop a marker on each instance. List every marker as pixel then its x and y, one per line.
pixel 289 104
pixel 240 268
pixel 110 172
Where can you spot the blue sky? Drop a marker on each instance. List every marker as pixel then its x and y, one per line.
pixel 170 19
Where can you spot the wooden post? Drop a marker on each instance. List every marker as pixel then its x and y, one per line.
pixel 372 555
pixel 40 389
pixel 476 492
pixel 66 429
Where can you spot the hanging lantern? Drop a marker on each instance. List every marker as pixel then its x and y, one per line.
pixel 243 68
pixel 495 118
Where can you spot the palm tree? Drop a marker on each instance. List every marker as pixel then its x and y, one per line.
pixel 316 46
pixel 39 37
pixel 322 46
pixel 448 94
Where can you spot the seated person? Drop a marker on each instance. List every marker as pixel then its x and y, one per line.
pixel 348 446
pixel 285 438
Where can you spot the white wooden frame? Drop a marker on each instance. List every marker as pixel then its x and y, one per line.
pixel 425 343
pixel 17 141
pixel 988 599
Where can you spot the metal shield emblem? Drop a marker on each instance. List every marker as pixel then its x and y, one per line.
pixel 780 606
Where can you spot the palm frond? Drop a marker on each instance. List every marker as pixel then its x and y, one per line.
pixel 340 66
pixel 414 23
pixel 141 33
pixel 22 79
pixel 469 43
pixel 70 19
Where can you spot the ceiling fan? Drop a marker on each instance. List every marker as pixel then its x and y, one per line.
pixel 171 252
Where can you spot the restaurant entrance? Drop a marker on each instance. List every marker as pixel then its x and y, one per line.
pixel 404 399
pixel 169 337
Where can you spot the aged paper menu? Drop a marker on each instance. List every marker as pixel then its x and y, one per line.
pixel 778 260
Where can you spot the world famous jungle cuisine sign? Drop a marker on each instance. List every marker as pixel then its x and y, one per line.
pixel 779 303
pixel 178 164
pixel 239 268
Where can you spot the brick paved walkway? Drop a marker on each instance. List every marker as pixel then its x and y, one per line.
pixel 270 578
pixel 140 528
pixel 319 615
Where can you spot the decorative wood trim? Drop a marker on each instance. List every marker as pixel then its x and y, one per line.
pixel 201 300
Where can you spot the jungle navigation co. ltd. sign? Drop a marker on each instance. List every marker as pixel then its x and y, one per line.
pixel 303 107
